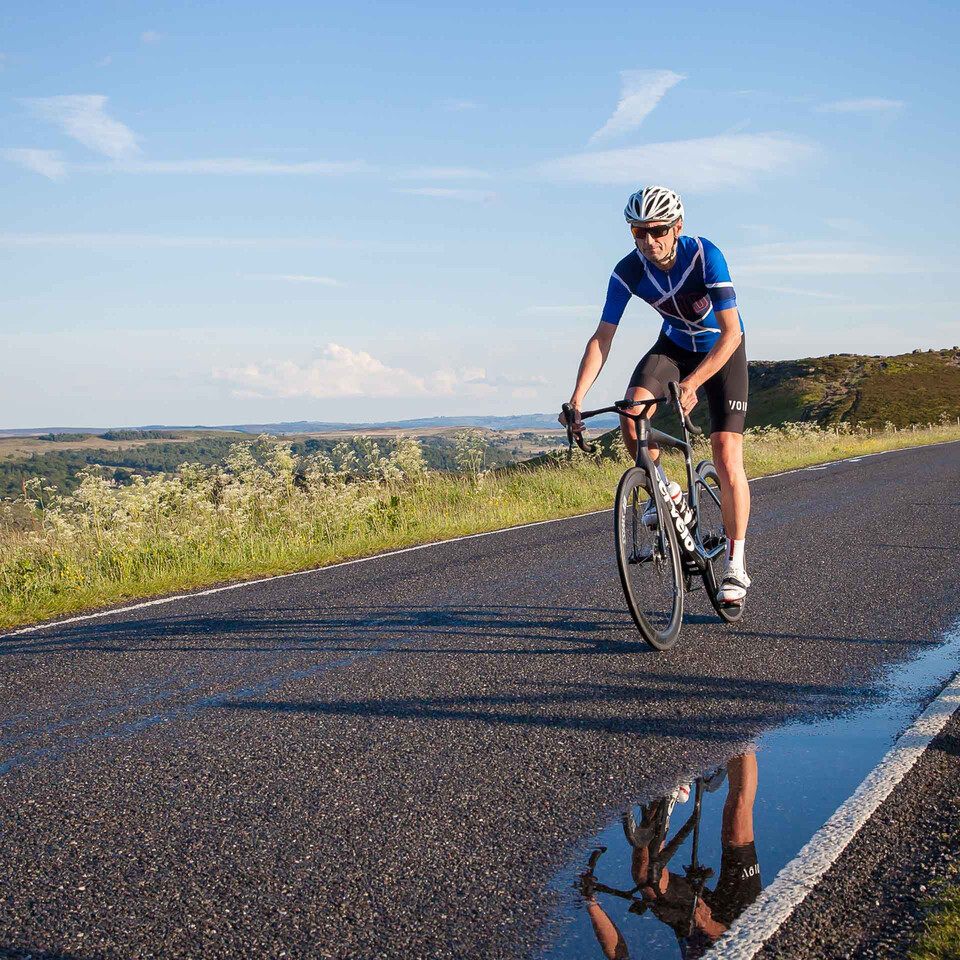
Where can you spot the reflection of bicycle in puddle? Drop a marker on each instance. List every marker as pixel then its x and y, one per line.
pixel 699 915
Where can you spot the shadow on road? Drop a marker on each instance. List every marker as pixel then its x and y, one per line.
pixel 592 706
pixel 333 627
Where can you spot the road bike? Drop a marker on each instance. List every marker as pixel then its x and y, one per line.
pixel 660 562
pixel 650 838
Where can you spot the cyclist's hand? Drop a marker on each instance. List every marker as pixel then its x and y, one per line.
pixel 688 397
pixel 577 424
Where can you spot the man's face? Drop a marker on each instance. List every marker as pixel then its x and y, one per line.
pixel 650 244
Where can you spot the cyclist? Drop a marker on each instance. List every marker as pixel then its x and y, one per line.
pixel 697 914
pixel 686 280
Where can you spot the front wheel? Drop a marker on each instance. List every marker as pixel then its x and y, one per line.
pixel 713 536
pixel 648 559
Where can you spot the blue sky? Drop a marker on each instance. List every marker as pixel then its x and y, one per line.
pixel 237 212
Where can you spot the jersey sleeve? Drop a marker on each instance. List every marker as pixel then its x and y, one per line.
pixel 618 295
pixel 717 277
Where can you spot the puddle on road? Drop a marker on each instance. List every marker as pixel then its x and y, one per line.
pixel 676 871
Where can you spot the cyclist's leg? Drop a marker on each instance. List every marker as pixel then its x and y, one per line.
pixel 734 489
pixel 629 427
pixel 726 394
pixel 650 378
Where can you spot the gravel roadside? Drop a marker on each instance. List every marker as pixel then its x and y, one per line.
pixel 870 904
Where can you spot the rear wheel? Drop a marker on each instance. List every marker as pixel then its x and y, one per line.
pixel 713 536
pixel 648 561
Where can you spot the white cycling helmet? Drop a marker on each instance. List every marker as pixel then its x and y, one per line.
pixel 653 203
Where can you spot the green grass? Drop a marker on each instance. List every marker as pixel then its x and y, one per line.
pixel 256 516
pixel 941 937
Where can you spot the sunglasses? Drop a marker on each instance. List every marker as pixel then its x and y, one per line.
pixel 639 231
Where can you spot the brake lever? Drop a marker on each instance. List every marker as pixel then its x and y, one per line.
pixel 674 388
pixel 571 436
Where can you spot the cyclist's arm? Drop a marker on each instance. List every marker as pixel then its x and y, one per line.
pixel 594 357
pixel 729 322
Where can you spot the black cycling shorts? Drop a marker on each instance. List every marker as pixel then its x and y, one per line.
pixel 726 390
pixel 738 886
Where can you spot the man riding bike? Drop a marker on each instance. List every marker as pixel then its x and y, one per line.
pixel 686 280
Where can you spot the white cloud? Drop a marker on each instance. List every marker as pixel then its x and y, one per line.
pixel 865 105
pixel 845 225
pixel 479 376
pixel 443 173
pixel 700 165
pixel 151 37
pixel 785 259
pixel 105 61
pixel 299 278
pixel 233 165
pixel 458 105
pixel 640 92
pixel 86 241
pixel 45 162
pixel 82 116
pixel 340 372
pixel 562 310
pixel 449 193
pixel 796 292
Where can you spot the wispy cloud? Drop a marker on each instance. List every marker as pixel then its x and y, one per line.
pixel 105 61
pixel 83 117
pixel 87 240
pixel 442 173
pixel 300 278
pixel 159 241
pixel 458 105
pixel 700 165
pixel 786 259
pixel 640 92
pixel 341 372
pixel 797 292
pixel 479 376
pixel 45 162
pixel 231 166
pixel 449 193
pixel 864 105
pixel 562 310
pixel 151 37
pixel 845 225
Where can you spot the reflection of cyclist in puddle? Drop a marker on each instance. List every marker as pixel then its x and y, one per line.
pixel 698 915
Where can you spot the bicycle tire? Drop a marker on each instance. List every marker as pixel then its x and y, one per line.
pixel 710 527
pixel 648 561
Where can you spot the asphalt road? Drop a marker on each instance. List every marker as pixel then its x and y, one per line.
pixel 393 758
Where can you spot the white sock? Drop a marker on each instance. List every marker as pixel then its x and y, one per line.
pixel 663 476
pixel 735 553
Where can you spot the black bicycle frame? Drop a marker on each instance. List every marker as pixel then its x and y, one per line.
pixel 690 541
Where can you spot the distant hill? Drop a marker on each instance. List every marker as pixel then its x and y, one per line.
pixel 523 421
pixel 908 388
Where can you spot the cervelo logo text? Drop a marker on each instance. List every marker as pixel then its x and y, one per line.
pixel 685 537
pixel 739 405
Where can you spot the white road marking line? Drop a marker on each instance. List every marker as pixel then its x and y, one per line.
pixel 863 456
pixel 798 878
pixel 48 624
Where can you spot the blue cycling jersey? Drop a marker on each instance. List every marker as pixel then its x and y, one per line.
pixel 686 296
